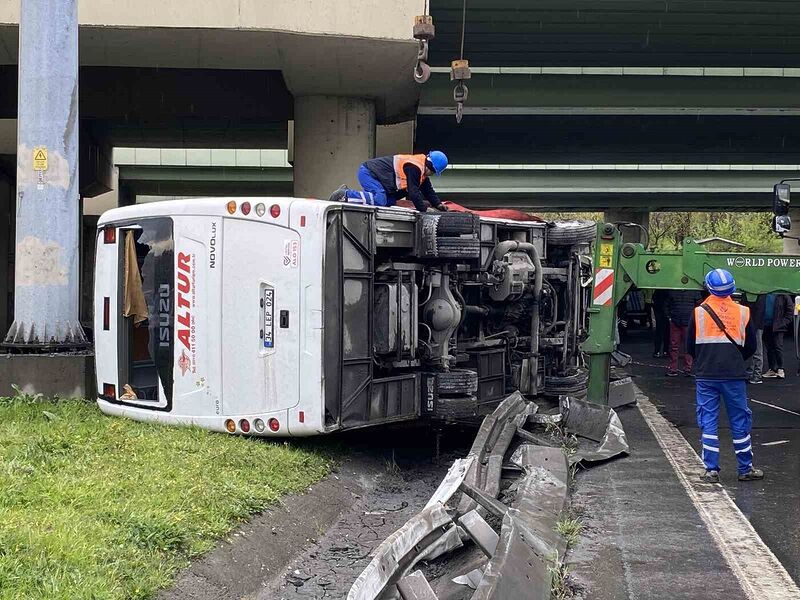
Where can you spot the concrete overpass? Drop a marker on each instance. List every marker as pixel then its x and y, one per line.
pixel 152 173
pixel 705 91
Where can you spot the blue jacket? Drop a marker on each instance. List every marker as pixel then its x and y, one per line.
pixel 382 168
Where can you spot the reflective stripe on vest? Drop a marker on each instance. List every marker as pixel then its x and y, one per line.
pixel 732 315
pixel 400 161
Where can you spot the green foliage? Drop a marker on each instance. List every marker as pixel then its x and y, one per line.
pixel 668 229
pixel 103 508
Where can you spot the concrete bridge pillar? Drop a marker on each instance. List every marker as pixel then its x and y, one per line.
pixel 333 135
pixel 629 234
pixel 791 246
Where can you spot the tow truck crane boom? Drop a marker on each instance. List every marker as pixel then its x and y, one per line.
pixel 619 266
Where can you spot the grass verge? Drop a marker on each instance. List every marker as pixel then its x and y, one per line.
pixel 103 508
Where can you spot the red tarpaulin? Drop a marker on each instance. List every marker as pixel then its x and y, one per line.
pixel 498 213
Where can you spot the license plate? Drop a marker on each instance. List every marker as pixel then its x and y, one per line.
pixel 269 320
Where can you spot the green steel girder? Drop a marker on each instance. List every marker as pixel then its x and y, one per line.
pixel 510 93
pixel 633 265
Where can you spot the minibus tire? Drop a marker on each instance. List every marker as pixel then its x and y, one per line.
pixel 455 224
pixel 457 381
pixel 570 233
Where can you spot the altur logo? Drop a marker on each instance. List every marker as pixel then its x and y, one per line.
pixel 184 305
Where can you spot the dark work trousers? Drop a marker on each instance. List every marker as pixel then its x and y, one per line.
pixel 677 347
pixel 773 343
pixel 661 333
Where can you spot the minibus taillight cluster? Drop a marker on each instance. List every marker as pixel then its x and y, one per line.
pixel 110 235
pixel 260 208
pixel 258 424
pixel 109 391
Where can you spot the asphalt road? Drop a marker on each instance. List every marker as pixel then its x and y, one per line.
pixel 772 505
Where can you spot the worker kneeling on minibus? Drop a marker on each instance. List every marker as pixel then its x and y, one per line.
pixel 387 179
pixel 721 338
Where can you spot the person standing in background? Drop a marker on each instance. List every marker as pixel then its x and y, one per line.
pixel 757 308
pixel 661 331
pixel 680 307
pixel 778 318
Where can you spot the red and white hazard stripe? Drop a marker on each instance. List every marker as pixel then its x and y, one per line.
pixel 603 287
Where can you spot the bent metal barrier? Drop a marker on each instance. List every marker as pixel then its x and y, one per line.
pixel 454 531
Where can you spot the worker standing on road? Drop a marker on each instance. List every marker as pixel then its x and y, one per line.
pixel 721 338
pixel 387 179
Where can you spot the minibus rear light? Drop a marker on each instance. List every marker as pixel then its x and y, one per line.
pixel 231 207
pixel 275 211
pixel 110 235
pixel 244 425
pixel 274 425
pixel 230 425
pixel 259 425
pixel 245 208
pixel 109 391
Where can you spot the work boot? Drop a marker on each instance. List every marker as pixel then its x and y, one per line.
pixel 755 380
pixel 781 374
pixel 752 475
pixel 339 194
pixel 710 476
pixel 770 374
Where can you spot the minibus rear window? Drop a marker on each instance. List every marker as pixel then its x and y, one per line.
pixel 146 345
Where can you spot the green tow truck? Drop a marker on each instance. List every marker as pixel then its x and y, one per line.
pixel 619 266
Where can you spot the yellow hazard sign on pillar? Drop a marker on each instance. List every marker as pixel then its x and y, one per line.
pixel 40 159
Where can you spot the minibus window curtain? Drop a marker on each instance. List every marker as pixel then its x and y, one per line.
pixel 134 304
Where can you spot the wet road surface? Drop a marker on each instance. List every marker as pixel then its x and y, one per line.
pixel 772 505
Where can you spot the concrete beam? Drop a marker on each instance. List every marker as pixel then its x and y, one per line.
pixel 571 94
pixel 612 139
pixel 205 181
pixel 651 187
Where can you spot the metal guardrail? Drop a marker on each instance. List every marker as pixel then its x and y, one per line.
pixel 518 561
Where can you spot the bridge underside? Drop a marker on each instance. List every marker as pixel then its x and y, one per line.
pixel 535 189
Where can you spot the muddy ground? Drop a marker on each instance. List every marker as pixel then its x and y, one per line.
pixel 314 545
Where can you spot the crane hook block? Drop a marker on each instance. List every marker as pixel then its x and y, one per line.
pixel 423 28
pixel 422 72
pixel 459 70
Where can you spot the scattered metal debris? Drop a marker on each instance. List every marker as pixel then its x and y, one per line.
pixel 471 579
pixel 415 587
pixel 515 529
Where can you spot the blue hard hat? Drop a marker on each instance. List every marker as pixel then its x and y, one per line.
pixel 438 160
pixel 720 282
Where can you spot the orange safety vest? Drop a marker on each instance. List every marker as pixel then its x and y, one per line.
pixel 400 161
pixel 734 316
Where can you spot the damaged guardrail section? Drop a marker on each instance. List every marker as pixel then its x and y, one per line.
pixel 489 530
